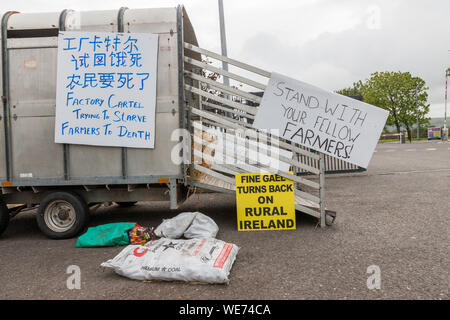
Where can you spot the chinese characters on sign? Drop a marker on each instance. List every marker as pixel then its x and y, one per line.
pixel 106 89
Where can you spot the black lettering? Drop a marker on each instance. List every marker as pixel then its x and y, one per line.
pixel 286 128
pixel 281 90
pixel 360 119
pixel 299 133
pixel 309 135
pixel 343 110
pixel 331 145
pixel 275 211
pixel 339 146
pixel 289 223
pixel 289 91
pixel 329 110
pixel 343 137
pixel 313 99
pixel 321 144
pixel 350 137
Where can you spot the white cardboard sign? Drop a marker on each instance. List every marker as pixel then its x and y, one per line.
pixel 328 122
pixel 106 89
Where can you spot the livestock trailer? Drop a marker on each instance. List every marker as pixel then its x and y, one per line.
pixel 64 179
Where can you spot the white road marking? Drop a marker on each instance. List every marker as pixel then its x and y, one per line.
pixel 406 172
pixel 410 150
pixel 390 150
pixel 431 149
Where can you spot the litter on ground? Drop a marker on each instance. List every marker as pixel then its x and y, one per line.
pixel 194 260
pixel 190 224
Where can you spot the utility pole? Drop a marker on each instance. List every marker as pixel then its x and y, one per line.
pixel 417 113
pixel 445 133
pixel 223 41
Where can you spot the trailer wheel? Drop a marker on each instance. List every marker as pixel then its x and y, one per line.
pixel 4 216
pixel 127 204
pixel 62 215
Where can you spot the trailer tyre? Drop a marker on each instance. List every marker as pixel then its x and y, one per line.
pixel 62 215
pixel 4 216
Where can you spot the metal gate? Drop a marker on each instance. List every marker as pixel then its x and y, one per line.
pixel 217 114
pixel 332 165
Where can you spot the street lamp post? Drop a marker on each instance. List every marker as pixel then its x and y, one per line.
pixel 445 131
pixel 223 40
pixel 417 113
pixel 223 43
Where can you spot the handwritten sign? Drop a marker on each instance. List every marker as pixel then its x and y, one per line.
pixel 331 123
pixel 106 89
pixel 264 202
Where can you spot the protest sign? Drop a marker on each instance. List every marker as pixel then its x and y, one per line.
pixel 264 202
pixel 106 89
pixel 328 122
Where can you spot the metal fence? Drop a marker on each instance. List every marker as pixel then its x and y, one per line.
pixel 212 104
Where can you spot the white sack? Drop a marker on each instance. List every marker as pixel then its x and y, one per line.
pixel 202 227
pixel 174 228
pixel 189 224
pixel 204 260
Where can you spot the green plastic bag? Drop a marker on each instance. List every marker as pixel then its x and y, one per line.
pixel 106 235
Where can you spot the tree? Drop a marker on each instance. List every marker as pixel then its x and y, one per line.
pixel 352 91
pixel 404 96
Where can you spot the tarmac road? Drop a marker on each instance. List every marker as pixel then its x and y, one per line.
pixel 394 216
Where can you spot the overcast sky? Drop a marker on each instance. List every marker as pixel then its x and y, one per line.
pixel 328 43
